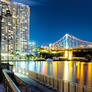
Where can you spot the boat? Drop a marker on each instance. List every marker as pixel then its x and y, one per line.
pixel 49 59
pixel 56 59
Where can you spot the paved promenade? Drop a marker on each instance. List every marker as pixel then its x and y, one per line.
pixel 35 86
pixel 1 88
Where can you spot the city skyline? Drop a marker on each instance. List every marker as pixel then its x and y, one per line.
pixel 45 46
pixel 14 19
pixel 50 20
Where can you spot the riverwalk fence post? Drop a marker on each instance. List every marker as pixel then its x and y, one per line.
pixel 65 86
pixel 87 89
pixel 60 89
pixel 79 88
pixel 72 87
pixel 58 84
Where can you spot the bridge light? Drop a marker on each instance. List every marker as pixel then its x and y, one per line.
pixel 66 41
pixel 70 55
pixel 66 54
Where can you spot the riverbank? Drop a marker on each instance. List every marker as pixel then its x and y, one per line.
pixel 81 59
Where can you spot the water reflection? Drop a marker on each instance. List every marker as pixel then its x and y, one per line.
pixel 89 74
pixel 79 72
pixel 66 71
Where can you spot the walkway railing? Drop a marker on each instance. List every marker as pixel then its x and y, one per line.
pixel 57 84
pixel 24 87
pixel 9 84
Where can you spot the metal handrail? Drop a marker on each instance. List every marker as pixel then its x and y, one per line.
pixel 9 80
pixel 59 84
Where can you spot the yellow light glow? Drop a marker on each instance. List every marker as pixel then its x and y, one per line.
pixel 66 70
pixel 89 73
pixel 19 71
pixel 70 55
pixel 66 54
pixel 26 73
pixel 5 54
pixel 78 70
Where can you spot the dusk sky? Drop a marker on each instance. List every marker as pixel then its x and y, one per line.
pixel 51 19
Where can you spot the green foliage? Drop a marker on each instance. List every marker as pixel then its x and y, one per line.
pixel 50 55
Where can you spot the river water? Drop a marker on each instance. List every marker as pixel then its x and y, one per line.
pixel 78 72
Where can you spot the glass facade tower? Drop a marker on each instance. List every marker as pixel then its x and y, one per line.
pixel 15 28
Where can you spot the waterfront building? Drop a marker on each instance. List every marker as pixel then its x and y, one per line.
pixel 15 28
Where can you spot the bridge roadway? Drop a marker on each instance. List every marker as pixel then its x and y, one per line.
pixel 72 49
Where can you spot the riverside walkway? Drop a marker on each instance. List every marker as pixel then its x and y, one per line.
pixel 2 88
pixel 35 86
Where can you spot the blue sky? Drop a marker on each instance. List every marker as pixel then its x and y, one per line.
pixel 51 19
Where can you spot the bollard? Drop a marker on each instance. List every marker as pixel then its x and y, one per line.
pixel 72 87
pixel 38 77
pixel 65 86
pixel 61 86
pixel 52 82
pixel 30 73
pixel 55 84
pixel 79 88
pixel 41 78
pixel 48 81
pixel 45 79
pixel 58 84
pixel 87 89
pixel 34 75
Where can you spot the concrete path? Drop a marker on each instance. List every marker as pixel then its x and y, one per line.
pixel 1 88
pixel 35 86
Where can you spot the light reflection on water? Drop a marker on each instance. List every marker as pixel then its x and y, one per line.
pixel 80 72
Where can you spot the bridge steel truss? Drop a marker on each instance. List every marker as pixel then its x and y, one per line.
pixel 70 41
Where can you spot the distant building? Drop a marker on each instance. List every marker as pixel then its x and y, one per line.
pixel 81 46
pixel 15 28
pixel 33 46
pixel 90 45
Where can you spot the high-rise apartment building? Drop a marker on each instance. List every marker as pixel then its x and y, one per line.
pixel 15 27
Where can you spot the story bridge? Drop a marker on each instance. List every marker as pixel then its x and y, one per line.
pixel 70 44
